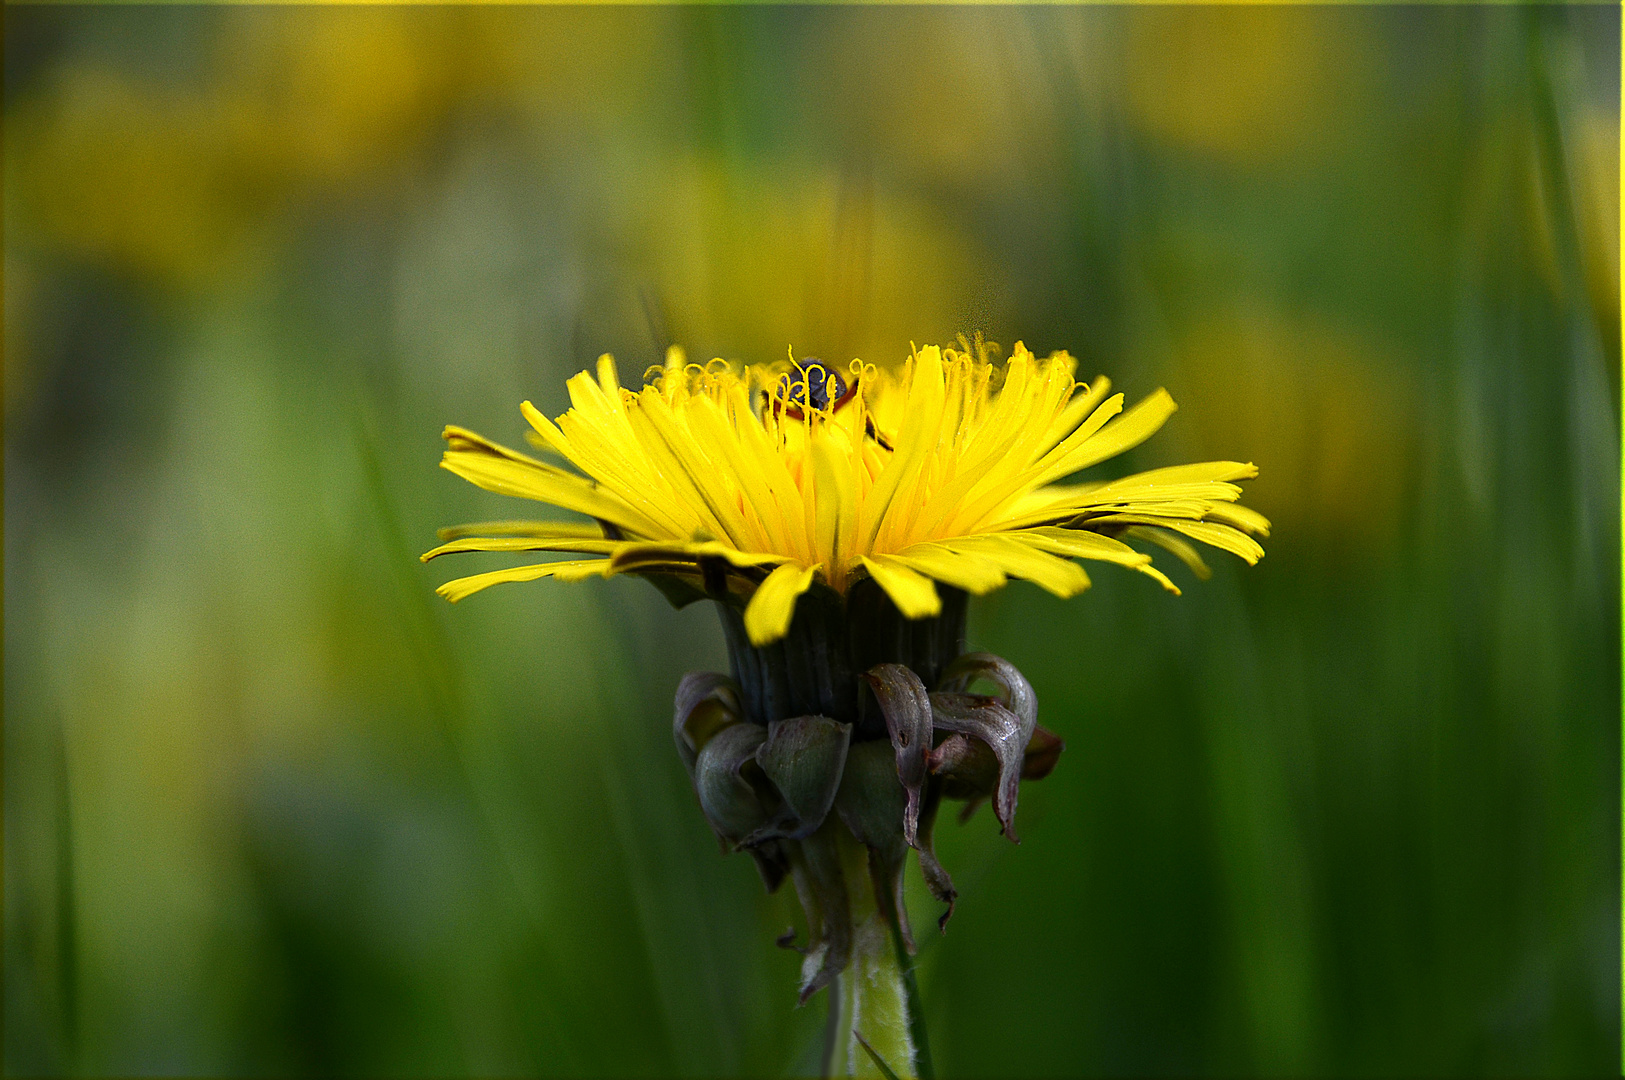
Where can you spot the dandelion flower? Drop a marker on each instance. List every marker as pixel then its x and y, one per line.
pixel 765 480
pixel 840 519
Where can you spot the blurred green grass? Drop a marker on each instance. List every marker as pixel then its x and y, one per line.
pixel 272 808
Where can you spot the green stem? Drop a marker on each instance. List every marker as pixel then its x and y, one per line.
pixel 916 1006
pixel 833 1062
pixel 873 1002
pixel 873 997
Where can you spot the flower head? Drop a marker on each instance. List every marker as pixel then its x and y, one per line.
pixel 756 482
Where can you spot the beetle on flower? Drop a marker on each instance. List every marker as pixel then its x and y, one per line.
pixel 839 522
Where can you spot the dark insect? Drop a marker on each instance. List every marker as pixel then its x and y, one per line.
pixel 812 385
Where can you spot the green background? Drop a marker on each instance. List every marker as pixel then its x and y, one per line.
pixel 272 807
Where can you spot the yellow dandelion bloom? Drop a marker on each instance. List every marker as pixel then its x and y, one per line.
pixel 758 482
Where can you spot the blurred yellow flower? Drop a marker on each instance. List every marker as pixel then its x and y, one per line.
pixel 756 482
pixel 1246 85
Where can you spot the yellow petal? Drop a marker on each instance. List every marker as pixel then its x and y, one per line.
pixel 1183 549
pixel 1209 532
pixel 1190 509
pixel 543 484
pixel 1082 544
pixel 573 570
pixel 598 546
pixel 975 574
pixel 910 590
pixel 582 569
pixel 1201 472
pixel 586 395
pixel 1128 431
pixel 545 429
pixel 1089 545
pixel 1160 578
pixel 919 435
pixel 607 449
pixel 713 424
pixel 756 443
pixel 989 501
pixel 837 516
pixel 1198 488
pixel 1244 518
pixel 1085 431
pixel 691 480
pixel 1059 576
pixel 692 552
pixel 553 530
pixel 767 616
pixel 609 381
pixel 508 472
pixel 462 440
pixel 1077 410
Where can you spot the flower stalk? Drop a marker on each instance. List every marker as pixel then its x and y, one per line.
pixel 871 999
pixel 824 756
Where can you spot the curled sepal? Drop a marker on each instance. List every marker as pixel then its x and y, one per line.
pixel 907 709
pixel 967 767
pixel 936 878
pixel 821 885
pixel 705 703
pixel 870 803
pixel 1004 732
pixel 1043 751
pixel 732 804
pixel 803 757
pixel 969 770
pixel 1015 692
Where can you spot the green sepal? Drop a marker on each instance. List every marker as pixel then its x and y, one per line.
pixel 732 803
pixel 871 799
pixel 705 703
pixel 803 758
pixel 815 867
pixel 870 804
pixel 907 709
